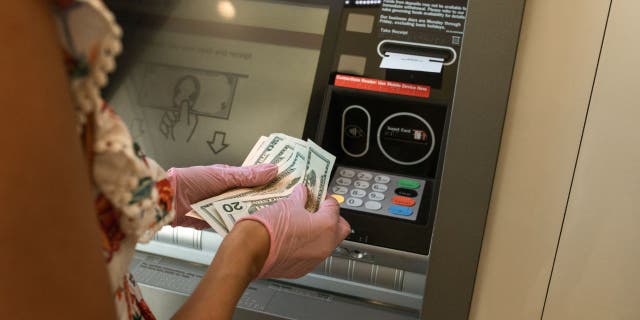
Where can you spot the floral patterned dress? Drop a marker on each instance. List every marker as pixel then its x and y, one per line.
pixel 132 195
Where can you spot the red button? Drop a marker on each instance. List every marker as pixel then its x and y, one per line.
pixel 403 201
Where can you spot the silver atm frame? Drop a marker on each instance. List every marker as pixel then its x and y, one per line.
pixel 487 56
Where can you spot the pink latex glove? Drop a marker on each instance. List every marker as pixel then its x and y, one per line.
pixel 194 184
pixel 299 240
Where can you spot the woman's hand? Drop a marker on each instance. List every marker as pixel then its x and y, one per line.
pixel 198 183
pixel 299 240
pixel 280 241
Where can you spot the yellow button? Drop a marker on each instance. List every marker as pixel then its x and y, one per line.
pixel 338 197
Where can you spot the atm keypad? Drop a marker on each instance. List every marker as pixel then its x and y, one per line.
pixel 377 193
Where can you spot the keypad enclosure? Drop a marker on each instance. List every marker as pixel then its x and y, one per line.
pixel 351 182
pixel 372 226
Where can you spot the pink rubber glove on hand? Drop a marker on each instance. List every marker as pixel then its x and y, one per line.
pixel 194 184
pixel 299 240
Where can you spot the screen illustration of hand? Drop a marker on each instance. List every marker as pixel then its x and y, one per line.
pixel 179 125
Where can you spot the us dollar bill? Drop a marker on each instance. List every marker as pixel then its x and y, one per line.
pixel 284 154
pixel 282 184
pixel 234 209
pixel 266 153
pixel 298 162
pixel 209 214
pixel 253 154
pixel 317 174
pixel 290 175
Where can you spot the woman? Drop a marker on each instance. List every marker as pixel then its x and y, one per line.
pixel 77 194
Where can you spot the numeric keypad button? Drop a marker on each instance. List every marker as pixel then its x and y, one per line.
pixel 379 187
pixel 373 205
pixel 358 193
pixel 382 179
pixel 361 184
pixel 343 181
pixel 376 196
pixel 365 176
pixel 340 190
pixel 354 202
pixel 347 173
pixel 338 198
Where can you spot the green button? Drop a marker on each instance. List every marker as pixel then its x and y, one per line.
pixel 410 184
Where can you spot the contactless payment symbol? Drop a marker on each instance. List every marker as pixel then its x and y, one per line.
pixel 355 132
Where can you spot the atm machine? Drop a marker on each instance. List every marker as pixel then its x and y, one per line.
pixel 409 95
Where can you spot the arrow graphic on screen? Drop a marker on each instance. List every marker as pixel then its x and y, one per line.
pixel 217 142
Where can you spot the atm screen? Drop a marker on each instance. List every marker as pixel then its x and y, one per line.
pixel 199 81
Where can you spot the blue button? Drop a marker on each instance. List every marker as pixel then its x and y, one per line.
pixel 400 210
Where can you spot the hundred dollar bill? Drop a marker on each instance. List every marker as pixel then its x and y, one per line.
pixel 317 172
pixel 234 209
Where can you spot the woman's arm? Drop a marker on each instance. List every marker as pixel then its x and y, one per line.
pixel 49 238
pixel 238 261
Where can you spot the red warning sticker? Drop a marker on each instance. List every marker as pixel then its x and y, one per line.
pixel 407 89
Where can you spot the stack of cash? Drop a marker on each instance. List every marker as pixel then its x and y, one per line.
pixel 298 161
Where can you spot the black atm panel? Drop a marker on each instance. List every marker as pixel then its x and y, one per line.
pixel 385 135
pixel 386 121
